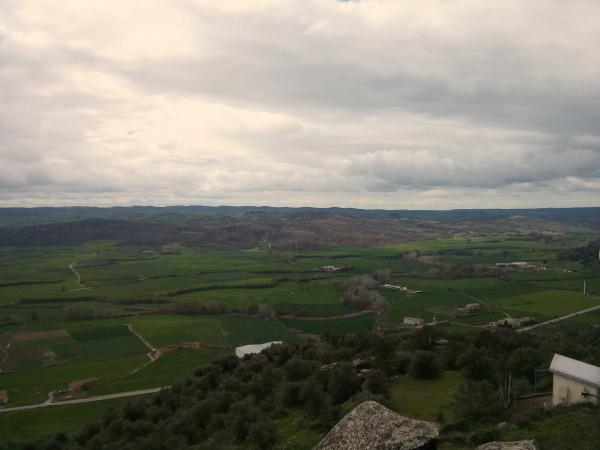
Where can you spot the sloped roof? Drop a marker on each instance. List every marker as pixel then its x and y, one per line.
pixel 244 350
pixel 576 370
pixel 373 426
pixel 516 445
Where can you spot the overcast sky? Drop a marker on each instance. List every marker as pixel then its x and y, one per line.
pixel 372 104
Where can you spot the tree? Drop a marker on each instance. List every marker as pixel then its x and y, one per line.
pixel 376 382
pixel 476 365
pixel 312 396
pixel 423 365
pixel 475 399
pixel 263 434
pixel 343 383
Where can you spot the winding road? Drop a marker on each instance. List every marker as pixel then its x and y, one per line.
pixel 558 319
pixel 72 268
pixel 78 401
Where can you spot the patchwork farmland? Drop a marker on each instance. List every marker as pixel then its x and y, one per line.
pixel 136 317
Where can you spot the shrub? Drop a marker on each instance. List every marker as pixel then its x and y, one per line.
pixel 423 365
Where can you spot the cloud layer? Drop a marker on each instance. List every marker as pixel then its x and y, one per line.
pixel 369 104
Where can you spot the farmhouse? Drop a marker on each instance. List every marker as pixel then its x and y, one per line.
pixel 82 384
pixel 393 287
pixel 574 381
pixel 244 350
pixel 517 265
pixel 470 308
pixel 402 289
pixel 512 322
pixel 413 321
pixel 330 268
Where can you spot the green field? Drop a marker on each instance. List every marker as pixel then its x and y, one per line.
pixel 347 325
pixel 143 286
pixel 37 424
pixel 434 396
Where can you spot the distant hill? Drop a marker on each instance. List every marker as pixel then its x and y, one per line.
pixel 285 228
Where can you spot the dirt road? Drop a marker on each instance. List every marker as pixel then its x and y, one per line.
pixel 78 401
pixel 558 319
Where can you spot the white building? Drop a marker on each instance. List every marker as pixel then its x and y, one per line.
pixel 574 381
pixel 413 321
pixel 244 350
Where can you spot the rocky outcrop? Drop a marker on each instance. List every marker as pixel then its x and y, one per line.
pixel 371 426
pixel 516 445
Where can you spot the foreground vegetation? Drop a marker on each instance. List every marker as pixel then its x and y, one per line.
pixel 452 378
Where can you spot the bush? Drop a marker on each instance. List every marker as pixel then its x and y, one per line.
pixel 423 365
pixel 343 383
pixel 376 382
pixel 263 434
pixel 475 400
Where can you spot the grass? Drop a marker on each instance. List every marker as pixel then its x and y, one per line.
pixel 425 399
pixel 167 370
pixel 104 348
pixel 555 429
pixel 347 325
pixel 111 341
pixel 38 423
pixel 33 386
pixel 163 330
pixel 223 330
pixel 243 330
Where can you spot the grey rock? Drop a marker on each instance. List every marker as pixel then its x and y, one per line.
pixel 372 426
pixel 516 445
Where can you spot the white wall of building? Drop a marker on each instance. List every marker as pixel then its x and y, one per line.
pixel 568 391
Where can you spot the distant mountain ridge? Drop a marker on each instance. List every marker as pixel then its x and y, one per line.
pixel 232 227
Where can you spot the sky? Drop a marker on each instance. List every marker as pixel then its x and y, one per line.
pixel 435 104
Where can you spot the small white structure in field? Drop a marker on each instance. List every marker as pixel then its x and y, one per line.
pixel 574 381
pixel 413 321
pixel 244 350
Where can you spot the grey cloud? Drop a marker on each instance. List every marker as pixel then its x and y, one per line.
pixel 351 103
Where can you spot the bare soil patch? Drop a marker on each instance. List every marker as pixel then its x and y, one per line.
pixel 36 335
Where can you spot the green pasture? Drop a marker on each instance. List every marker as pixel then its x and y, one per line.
pixel 169 369
pixel 363 322
pixel 315 310
pixel 104 348
pixel 33 386
pixel 38 423
pixel 163 330
pixel 91 343
pixel 101 342
pixel 546 303
pixel 425 399
pixel 288 292
pixel 222 330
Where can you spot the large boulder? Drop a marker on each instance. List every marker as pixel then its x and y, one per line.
pixel 372 426
pixel 516 445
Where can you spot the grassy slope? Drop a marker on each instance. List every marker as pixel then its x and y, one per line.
pixel 561 428
pixel 424 399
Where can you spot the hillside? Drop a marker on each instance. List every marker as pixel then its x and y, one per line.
pixel 282 228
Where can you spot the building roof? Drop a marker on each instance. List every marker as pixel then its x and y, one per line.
pixel 576 370
pixel 373 426
pixel 244 350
